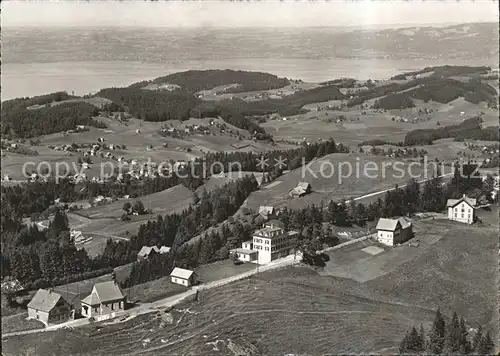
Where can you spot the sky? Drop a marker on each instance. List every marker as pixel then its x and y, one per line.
pixel 264 13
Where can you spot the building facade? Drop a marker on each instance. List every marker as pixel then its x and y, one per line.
pixel 104 302
pixel 49 308
pixel 391 232
pixel 182 276
pixel 461 210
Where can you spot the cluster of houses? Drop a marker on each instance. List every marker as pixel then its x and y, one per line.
pixel 105 301
pixel 147 251
pixel 396 231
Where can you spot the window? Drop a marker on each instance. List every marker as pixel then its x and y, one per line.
pixel 267 248
pixel 112 306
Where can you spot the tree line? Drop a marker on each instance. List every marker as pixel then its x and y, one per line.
pixel 447 338
pixel 42 258
pixel 21 122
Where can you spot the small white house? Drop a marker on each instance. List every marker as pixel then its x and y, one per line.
pixel 182 276
pixel 391 232
pixel 462 209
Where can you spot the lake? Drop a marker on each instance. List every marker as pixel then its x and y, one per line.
pixel 29 79
pixel 41 60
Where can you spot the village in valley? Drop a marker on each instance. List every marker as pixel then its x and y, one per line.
pixel 211 211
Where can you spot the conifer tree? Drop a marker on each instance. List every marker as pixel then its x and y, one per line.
pixel 436 334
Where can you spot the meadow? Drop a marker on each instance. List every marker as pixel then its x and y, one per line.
pixel 337 184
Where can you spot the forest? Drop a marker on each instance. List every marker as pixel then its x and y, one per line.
pixel 467 129
pixel 17 121
pixel 152 105
pixel 441 90
pixel 23 103
pixel 197 80
pixel 444 71
pixel 394 101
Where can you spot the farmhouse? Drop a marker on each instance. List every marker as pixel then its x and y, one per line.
pixel 462 209
pixel 49 307
pixel 146 251
pixel 182 276
pixel 391 232
pixel 105 300
pixel 301 189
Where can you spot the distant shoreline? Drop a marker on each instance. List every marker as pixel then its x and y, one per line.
pixel 30 79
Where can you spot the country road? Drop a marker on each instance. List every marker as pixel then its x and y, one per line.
pixel 170 301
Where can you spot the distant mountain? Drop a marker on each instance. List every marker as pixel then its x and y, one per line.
pixel 475 41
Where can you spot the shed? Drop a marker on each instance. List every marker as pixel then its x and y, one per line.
pixel 182 276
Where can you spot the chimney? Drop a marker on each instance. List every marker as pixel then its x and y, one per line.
pixel 464 196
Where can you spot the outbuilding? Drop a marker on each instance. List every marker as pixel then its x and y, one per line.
pixel 182 276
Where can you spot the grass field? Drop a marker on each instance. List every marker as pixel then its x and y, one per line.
pixel 18 322
pixel 453 269
pixel 170 200
pixel 336 184
pixel 374 124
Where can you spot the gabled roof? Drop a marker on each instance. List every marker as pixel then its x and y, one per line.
pixel 104 292
pixel 44 300
pixel 146 250
pixel 91 299
pixel 164 249
pixel 304 185
pixel 453 202
pixel 387 224
pixel 181 273
pixel 405 223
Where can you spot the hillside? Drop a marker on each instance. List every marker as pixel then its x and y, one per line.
pixel 18 121
pixel 197 80
pixel 470 128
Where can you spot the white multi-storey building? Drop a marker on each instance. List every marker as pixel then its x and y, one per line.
pixel 462 209
pixel 268 244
